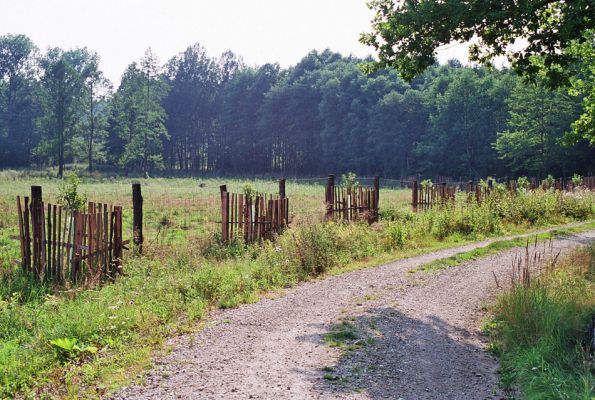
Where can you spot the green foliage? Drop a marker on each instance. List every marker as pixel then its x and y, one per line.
pixel 538 120
pixel 538 329
pixel 582 85
pixel 248 190
pixel 406 35
pixel 427 183
pixel 63 97
pixel 559 45
pixel 577 180
pixel 342 335
pixel 397 235
pixel 550 180
pixel 139 117
pixel 68 194
pixel 19 103
pixel 523 183
pixel 576 205
pixel 349 180
pixel 200 114
pixel 314 247
pixel 67 348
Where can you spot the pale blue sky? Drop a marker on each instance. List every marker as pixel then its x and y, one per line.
pixel 258 30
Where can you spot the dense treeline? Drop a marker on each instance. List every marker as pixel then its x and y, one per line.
pixel 199 114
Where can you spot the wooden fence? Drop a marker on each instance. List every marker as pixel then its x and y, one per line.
pixel 253 217
pixel 67 245
pixel 424 197
pixel 352 203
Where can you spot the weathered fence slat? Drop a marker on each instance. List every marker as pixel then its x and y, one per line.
pixel 352 203
pixel 252 217
pixel 423 198
pixel 54 239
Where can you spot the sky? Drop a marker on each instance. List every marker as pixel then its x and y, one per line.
pixel 259 31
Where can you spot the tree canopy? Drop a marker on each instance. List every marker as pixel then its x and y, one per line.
pixel 199 114
pixel 547 40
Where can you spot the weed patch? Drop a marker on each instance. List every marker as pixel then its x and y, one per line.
pixel 539 330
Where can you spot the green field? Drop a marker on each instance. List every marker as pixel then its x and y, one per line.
pixel 176 211
pixel 184 271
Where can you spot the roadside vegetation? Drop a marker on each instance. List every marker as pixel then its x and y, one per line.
pixel 541 331
pixel 80 342
pixel 497 247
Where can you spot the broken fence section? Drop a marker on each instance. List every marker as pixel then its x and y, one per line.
pixel 66 245
pixel 424 197
pixel 352 203
pixel 252 217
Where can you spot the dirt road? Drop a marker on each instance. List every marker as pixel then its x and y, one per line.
pixel 418 338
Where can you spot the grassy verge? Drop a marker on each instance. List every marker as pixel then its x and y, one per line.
pixel 171 288
pixel 540 329
pixel 497 247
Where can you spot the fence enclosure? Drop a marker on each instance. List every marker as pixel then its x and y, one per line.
pixel 424 197
pixel 352 203
pixel 68 245
pixel 253 217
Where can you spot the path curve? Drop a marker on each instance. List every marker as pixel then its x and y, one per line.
pixel 424 327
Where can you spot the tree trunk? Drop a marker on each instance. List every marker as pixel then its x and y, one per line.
pixel 91 133
pixel 61 144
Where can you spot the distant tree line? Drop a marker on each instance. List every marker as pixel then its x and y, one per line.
pixel 199 114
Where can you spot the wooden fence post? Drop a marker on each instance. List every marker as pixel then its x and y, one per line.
pixel 117 239
pixel 224 213
pixel 330 196
pixel 282 197
pixel 282 188
pixel 377 197
pixel 37 230
pixel 137 222
pixel 414 195
pixel 36 193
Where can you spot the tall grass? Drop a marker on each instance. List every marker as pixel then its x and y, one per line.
pixel 541 328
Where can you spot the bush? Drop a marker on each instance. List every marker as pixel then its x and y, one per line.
pixel 68 195
pixel 535 207
pixel 577 205
pixel 396 235
pixel 315 248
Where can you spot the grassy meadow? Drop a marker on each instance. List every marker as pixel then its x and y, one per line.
pixel 175 210
pixel 70 342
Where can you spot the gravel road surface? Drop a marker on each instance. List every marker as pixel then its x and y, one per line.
pixel 418 338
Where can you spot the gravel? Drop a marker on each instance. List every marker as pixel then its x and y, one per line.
pixel 418 338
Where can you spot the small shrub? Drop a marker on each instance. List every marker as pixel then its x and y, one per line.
pixel 67 348
pixel 215 249
pixel 248 190
pixel 396 235
pixel 349 180
pixel 522 183
pixel 68 195
pixel 315 248
pixel 577 180
pixel 575 205
pixel 427 183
